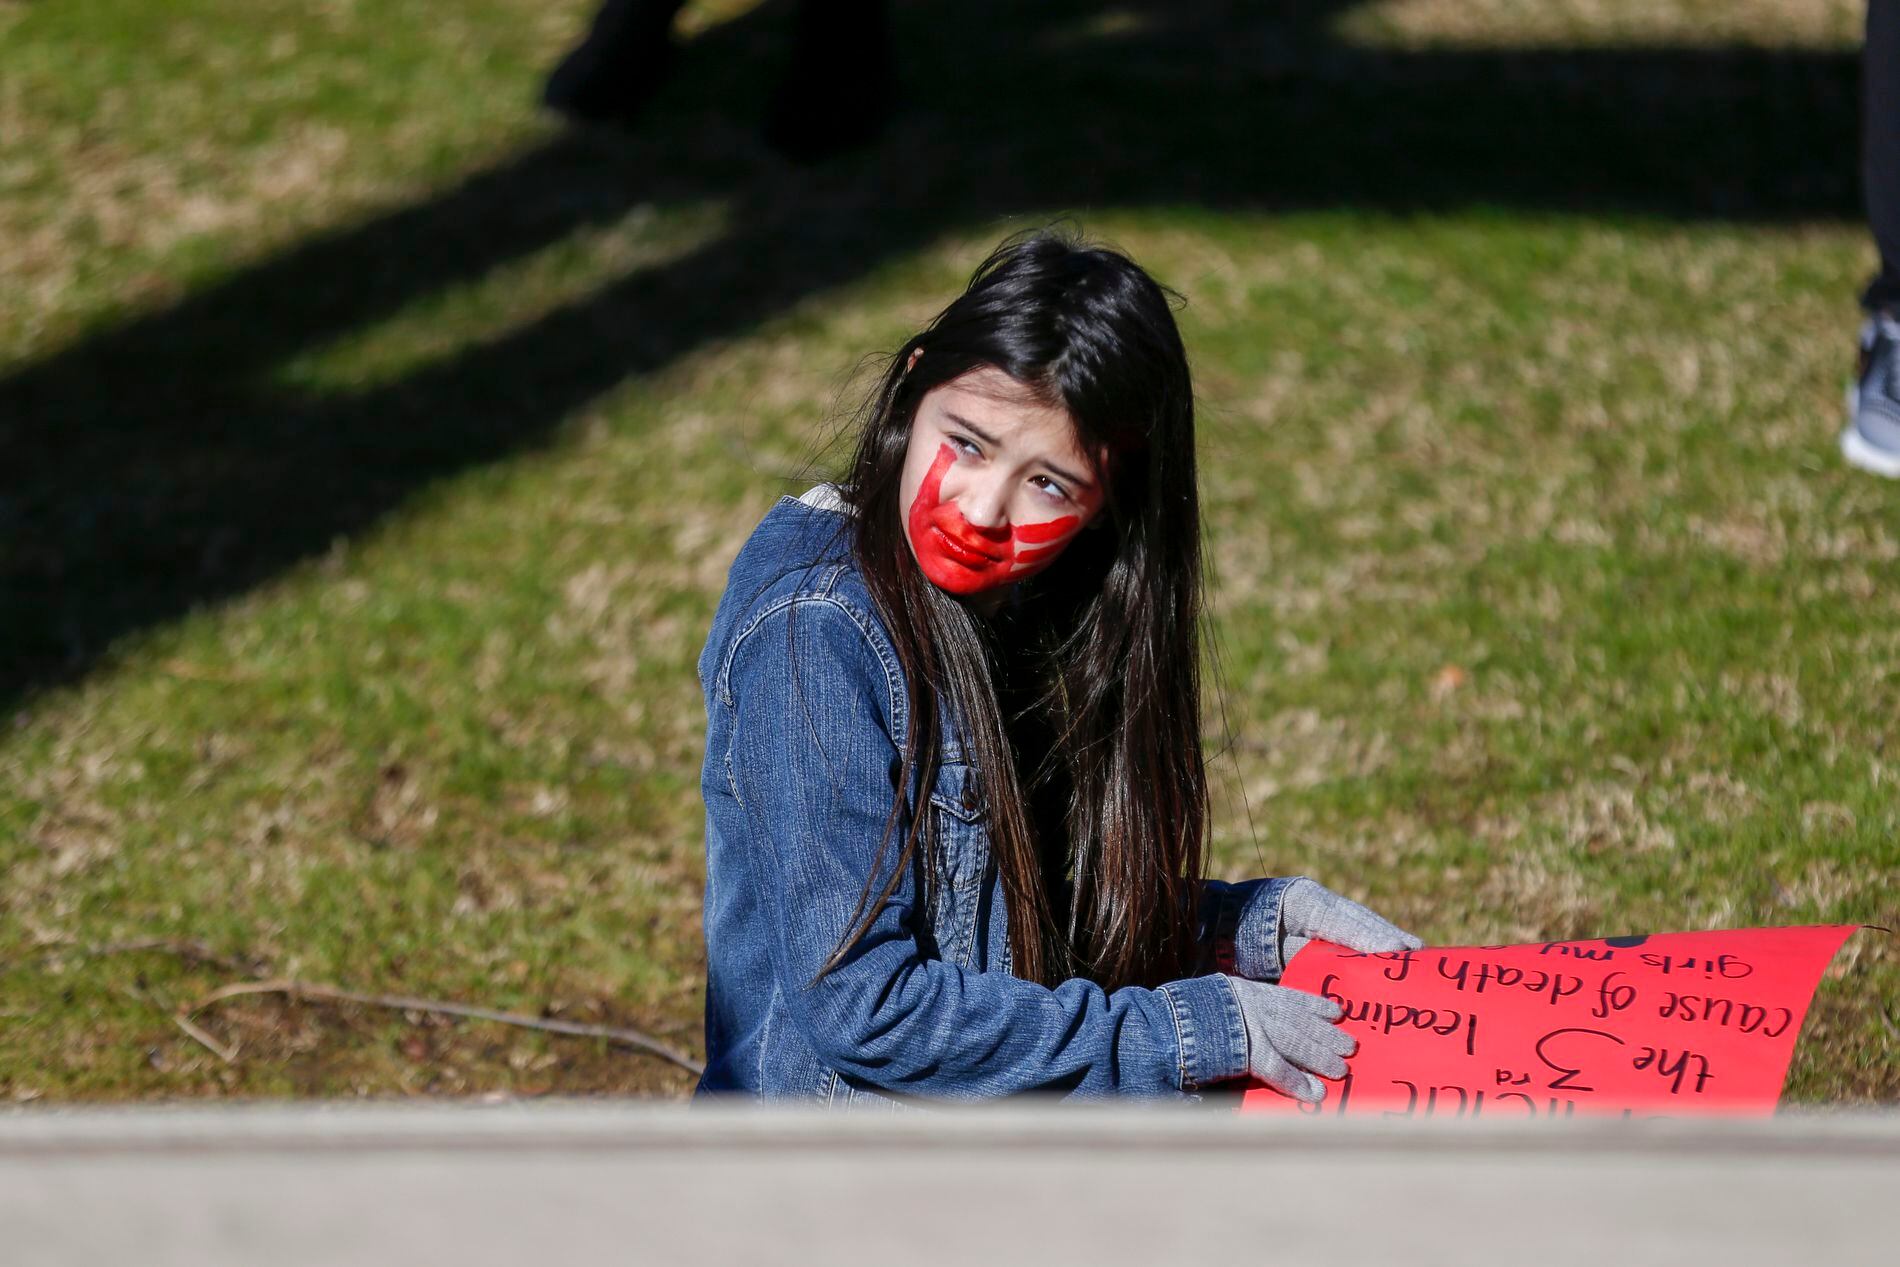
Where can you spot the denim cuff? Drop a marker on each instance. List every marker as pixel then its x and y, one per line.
pixel 1212 1033
pixel 1257 932
pixel 1221 907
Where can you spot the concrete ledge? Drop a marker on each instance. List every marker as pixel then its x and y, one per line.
pixel 610 1181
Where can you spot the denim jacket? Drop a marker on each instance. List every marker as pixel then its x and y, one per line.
pixel 802 758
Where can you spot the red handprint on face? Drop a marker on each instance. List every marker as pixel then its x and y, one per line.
pixel 961 558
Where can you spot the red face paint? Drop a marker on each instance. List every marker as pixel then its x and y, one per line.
pixel 961 558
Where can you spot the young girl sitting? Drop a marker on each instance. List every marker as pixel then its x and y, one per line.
pixel 956 804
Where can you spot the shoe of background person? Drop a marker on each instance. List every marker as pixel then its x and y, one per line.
pixel 1872 438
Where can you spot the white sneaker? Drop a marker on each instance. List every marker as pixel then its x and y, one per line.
pixel 1872 438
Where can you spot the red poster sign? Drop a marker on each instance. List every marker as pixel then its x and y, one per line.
pixel 1670 1024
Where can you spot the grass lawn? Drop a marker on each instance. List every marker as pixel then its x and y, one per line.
pixel 372 450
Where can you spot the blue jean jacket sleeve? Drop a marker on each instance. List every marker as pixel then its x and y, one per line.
pixel 813 760
pixel 1240 927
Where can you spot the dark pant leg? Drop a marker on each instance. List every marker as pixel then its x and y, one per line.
pixel 839 84
pixel 616 68
pixel 1880 145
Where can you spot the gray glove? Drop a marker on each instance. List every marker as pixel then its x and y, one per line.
pixel 1290 1032
pixel 1309 909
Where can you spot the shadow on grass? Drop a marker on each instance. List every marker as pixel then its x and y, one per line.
pixel 164 464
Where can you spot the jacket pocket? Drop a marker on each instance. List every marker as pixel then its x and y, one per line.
pixel 961 858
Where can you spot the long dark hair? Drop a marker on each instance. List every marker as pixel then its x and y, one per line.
pixel 1107 637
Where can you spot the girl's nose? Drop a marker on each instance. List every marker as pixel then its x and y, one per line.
pixel 984 504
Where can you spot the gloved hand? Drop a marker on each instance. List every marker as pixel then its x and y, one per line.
pixel 1309 909
pixel 1291 1037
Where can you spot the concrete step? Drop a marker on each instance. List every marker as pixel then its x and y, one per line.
pixel 409 1184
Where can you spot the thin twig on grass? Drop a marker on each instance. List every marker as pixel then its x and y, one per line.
pixel 197 1033
pixel 319 992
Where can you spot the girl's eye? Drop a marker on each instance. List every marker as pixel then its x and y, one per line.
pixel 969 446
pixel 1053 489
